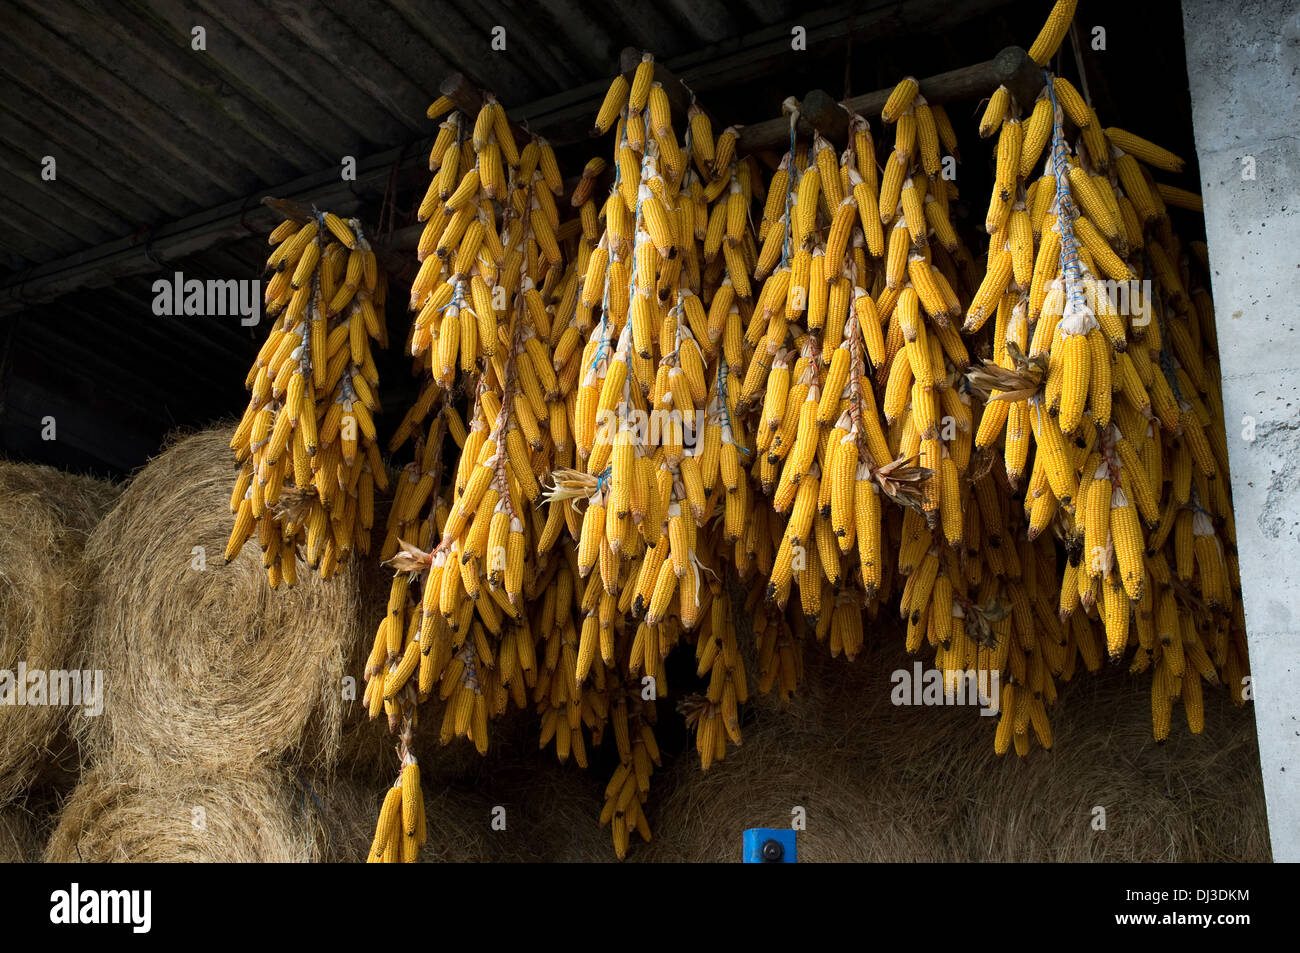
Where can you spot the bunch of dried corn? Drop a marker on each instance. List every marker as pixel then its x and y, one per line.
pixel 477 573
pixel 657 454
pixel 309 465
pixel 1105 372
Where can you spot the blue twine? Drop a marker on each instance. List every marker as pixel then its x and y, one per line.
pixel 457 297
pixel 309 791
pixel 1165 358
pixel 636 212
pixel 1036 404
pixel 600 329
pixel 789 183
pixel 1171 374
pixel 724 371
pixel 722 390
pixel 1070 269
pixel 687 164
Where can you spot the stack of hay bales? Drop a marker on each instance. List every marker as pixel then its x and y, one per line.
pixel 224 695
pixel 47 516
pixel 217 690
pixel 880 782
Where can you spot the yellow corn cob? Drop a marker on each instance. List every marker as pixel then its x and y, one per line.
pixel 1053 32
pixel 899 100
pixel 1144 150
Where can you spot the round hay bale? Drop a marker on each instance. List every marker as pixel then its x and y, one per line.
pixel 47 515
pixel 900 783
pixel 144 814
pixel 207 666
pixel 20 840
pixel 203 663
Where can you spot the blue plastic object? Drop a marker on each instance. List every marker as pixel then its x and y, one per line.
pixel 767 845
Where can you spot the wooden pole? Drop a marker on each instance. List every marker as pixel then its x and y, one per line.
pixel 1011 68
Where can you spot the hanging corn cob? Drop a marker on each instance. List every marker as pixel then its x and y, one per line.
pixel 309 465
pixel 819 437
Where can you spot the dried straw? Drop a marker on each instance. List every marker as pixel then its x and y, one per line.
pixel 876 783
pixel 879 782
pixel 149 814
pixel 20 840
pixel 549 814
pixel 818 757
pixel 46 515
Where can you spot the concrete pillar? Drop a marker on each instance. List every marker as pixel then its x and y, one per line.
pixel 1243 64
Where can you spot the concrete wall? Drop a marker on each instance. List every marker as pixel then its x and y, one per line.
pixel 1243 64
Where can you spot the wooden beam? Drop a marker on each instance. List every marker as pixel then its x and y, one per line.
pixel 828 30
pixel 567 116
pixel 1011 68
